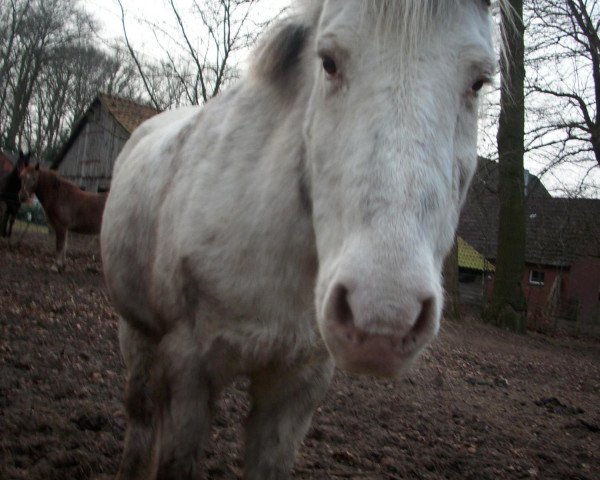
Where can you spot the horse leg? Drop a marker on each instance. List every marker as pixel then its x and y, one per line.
pixel 4 217
pixel 283 405
pixel 61 244
pixel 168 404
pixel 11 222
pixel 139 352
pixel 185 396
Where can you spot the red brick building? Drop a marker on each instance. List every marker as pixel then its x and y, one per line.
pixel 562 275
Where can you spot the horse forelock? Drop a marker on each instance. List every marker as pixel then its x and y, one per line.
pixel 409 23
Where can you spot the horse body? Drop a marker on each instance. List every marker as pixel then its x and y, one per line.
pixel 325 190
pixel 66 206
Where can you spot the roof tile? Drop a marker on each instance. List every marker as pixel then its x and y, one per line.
pixel 127 112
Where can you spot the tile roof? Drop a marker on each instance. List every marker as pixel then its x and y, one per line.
pixel 558 229
pixel 127 112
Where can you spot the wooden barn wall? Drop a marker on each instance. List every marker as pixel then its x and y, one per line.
pixel 473 291
pixel 89 162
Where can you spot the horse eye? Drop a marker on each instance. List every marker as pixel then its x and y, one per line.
pixel 478 85
pixel 329 65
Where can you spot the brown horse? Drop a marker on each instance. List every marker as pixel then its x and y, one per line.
pixel 67 207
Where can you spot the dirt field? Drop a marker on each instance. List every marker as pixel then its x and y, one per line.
pixel 482 404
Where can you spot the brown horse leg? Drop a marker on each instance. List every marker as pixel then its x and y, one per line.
pixel 4 218
pixel 61 244
pixel 11 222
pixel 283 404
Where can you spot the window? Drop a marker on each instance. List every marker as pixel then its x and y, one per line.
pixel 536 277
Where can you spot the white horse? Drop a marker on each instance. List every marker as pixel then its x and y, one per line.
pixel 299 220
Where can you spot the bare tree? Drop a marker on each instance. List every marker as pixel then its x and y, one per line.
pixel 43 26
pixel 51 71
pixel 12 17
pixel 68 83
pixel 206 35
pixel 563 91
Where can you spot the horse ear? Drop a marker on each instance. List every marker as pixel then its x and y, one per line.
pixel 281 52
pixel 25 158
pixel 37 166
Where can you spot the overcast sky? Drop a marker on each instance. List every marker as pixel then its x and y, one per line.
pixel 157 12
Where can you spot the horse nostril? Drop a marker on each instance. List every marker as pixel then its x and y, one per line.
pixel 339 307
pixel 423 322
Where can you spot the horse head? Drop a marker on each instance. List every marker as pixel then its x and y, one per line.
pixel 390 136
pixel 29 176
pixel 23 161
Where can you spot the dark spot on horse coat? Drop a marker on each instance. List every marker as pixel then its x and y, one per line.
pixel 209 239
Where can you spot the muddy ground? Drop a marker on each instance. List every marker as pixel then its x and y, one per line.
pixel 481 404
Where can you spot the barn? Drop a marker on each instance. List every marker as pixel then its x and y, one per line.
pixel 88 156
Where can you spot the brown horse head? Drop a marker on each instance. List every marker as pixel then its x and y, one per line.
pixel 29 179
pixel 23 161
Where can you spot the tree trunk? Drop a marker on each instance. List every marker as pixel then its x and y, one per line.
pixel 29 70
pixel 508 308
pixel 595 140
pixel 452 304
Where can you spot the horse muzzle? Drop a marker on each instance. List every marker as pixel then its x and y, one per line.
pixel 379 331
pixel 24 197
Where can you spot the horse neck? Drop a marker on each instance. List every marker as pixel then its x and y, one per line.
pixel 13 183
pixel 45 184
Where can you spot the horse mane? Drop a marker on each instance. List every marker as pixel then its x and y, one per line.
pixel 54 179
pixel 280 52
